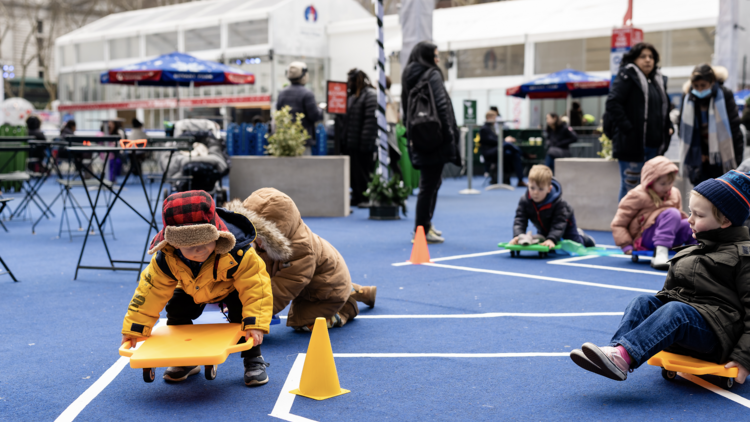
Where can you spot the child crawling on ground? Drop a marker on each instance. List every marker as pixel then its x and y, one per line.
pixel 650 216
pixel 703 310
pixel 203 255
pixel 549 213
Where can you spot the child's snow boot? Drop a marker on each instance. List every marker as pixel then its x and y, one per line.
pixel 661 256
pixel 365 294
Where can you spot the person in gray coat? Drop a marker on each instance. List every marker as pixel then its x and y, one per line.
pixel 300 99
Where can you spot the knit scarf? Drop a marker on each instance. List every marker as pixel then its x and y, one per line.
pixel 720 145
pixel 659 83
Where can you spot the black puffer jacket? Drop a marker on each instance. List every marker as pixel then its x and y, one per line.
pixel 714 278
pixel 301 100
pixel 624 117
pixel 551 217
pixel 361 122
pixel 559 140
pixel 448 151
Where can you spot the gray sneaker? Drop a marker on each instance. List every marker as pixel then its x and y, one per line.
pixel 255 371
pixel 180 373
pixel 431 237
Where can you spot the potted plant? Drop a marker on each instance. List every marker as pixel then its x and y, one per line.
pixel 387 197
pixel 289 138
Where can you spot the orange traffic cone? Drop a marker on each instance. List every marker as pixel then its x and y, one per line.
pixel 319 379
pixel 419 252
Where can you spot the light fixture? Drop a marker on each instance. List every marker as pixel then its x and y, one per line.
pixel 5 74
pixel 12 75
pixel 238 61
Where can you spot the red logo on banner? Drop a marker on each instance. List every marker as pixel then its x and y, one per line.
pixel 336 95
pixel 626 37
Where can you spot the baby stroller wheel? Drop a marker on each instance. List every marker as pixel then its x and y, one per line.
pixel 727 383
pixel 634 258
pixel 668 375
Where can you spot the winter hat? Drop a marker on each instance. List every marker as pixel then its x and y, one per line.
pixel 730 194
pixel 190 220
pixel 296 71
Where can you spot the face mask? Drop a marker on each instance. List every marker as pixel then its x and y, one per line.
pixel 701 94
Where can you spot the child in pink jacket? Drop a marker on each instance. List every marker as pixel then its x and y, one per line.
pixel 650 216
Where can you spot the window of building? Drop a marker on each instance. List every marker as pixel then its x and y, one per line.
pixel 587 55
pixel 248 33
pixel 395 67
pixel 123 48
pixel 65 87
pixel 690 47
pixel 490 61
pixel 163 43
pixel 203 39
pixel 90 52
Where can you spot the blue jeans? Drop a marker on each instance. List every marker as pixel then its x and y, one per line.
pixel 550 162
pixel 630 171
pixel 650 326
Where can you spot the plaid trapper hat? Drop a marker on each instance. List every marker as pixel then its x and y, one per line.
pixel 190 220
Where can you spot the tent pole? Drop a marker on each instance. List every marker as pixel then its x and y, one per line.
pixel 568 106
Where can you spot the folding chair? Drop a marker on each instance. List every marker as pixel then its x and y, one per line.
pixel 3 203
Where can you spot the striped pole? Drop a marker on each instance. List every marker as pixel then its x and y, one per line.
pixel 382 124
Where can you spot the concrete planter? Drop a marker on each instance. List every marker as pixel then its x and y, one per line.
pixel 319 185
pixel 592 186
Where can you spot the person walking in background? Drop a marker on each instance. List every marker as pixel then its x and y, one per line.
pixel 636 114
pixel 361 134
pixel 392 118
pixel 709 126
pixel 429 155
pixel 137 132
pixel 559 137
pixel 300 100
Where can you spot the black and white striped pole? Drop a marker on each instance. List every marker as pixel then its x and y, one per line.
pixel 382 169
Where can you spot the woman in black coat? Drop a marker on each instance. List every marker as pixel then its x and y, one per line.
pixel 361 134
pixel 708 109
pixel 423 64
pixel 559 137
pixel 637 114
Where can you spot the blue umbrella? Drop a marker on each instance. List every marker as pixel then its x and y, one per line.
pixel 740 97
pixel 562 84
pixel 177 69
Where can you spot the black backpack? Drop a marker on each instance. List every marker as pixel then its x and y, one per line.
pixel 425 130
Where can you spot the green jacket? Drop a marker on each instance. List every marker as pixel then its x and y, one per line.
pixel 714 278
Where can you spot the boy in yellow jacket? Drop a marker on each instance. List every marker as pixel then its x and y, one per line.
pixel 203 255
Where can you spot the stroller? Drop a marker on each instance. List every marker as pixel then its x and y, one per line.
pixel 205 166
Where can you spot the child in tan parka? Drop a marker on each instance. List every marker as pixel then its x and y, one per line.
pixel 305 269
pixel 650 216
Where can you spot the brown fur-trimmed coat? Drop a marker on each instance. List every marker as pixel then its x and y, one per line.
pixel 313 275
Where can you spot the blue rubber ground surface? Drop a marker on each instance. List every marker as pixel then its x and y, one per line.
pixel 59 335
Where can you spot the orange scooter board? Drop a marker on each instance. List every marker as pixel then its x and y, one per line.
pixel 187 345
pixel 672 363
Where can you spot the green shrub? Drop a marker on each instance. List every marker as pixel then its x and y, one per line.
pixel 288 140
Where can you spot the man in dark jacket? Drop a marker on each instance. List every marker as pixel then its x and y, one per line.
pixel 300 99
pixel 552 216
pixel 703 310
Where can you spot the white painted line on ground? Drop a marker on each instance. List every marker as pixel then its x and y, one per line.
pixel 718 390
pixel 284 403
pixel 97 387
pixel 539 277
pixel 448 355
pixel 490 315
pixel 572 262
pixel 449 258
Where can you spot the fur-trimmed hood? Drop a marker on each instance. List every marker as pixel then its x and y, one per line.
pixel 274 242
pixel 721 73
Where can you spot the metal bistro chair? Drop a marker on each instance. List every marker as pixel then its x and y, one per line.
pixel 3 203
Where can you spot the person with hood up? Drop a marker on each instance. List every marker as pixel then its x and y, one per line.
pixel 203 255
pixel 552 216
pixel 422 65
pixel 712 142
pixel 650 217
pixel 300 100
pixel 637 114
pixel 305 269
pixel 703 309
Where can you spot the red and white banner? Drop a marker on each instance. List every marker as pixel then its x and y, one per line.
pixel 169 103
pixel 337 96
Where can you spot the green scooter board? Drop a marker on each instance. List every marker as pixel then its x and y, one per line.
pixel 515 250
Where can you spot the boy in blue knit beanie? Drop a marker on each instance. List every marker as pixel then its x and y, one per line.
pixel 703 310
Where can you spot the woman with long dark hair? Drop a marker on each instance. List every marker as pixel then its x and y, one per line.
pixel 429 155
pixel 637 114
pixel 710 132
pixel 361 133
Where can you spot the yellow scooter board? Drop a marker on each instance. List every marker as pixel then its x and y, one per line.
pixel 186 345
pixel 671 363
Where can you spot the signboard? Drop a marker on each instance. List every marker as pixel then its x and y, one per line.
pixel 623 39
pixel 336 97
pixel 470 112
pixel 256 100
